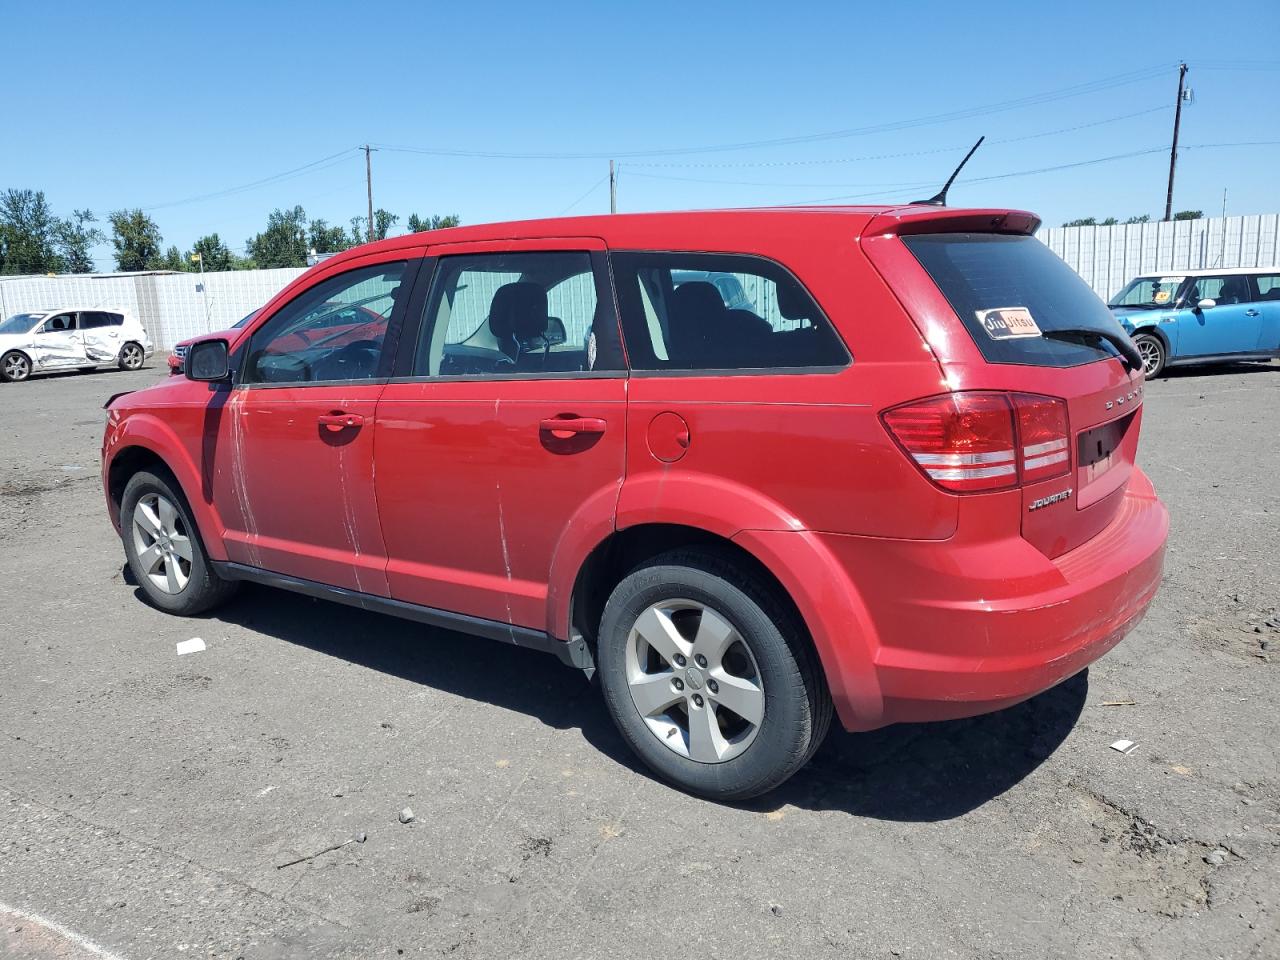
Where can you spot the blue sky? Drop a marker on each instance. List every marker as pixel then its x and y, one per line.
pixel 172 102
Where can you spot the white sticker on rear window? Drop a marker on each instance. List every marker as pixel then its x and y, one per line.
pixel 1008 323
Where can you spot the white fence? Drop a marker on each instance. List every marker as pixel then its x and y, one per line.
pixel 1109 257
pixel 172 306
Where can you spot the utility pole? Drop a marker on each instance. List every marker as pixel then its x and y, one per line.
pixel 1173 153
pixel 369 183
pixel 613 190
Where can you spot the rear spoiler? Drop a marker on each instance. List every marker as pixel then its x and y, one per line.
pixel 901 221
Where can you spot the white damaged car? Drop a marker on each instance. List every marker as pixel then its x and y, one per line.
pixel 71 339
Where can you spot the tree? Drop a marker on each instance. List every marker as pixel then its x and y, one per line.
pixel 383 221
pixel 74 238
pixel 418 224
pixel 136 239
pixel 28 234
pixel 174 260
pixel 1082 222
pixel 1143 218
pixel 212 251
pixel 1188 215
pixel 283 243
pixel 326 239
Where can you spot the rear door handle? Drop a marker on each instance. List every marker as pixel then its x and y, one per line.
pixel 571 425
pixel 341 421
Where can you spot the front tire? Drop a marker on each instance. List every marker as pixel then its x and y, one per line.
pixel 709 676
pixel 15 366
pixel 132 356
pixel 163 546
pixel 1153 353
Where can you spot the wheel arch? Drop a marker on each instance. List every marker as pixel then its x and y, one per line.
pixel 806 578
pixel 143 443
pixel 1159 334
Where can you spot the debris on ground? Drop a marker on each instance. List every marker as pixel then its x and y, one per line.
pixel 1216 858
pixel 406 815
pixel 1118 703
pixel 1125 746
pixel 194 645
pixel 358 838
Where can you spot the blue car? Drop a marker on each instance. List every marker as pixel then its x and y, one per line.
pixel 1202 316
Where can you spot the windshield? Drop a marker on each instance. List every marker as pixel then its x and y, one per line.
pixel 1148 293
pixel 20 323
pixel 1019 301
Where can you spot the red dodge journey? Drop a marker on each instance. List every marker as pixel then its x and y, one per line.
pixel 749 468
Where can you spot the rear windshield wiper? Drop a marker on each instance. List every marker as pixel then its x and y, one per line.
pixel 1127 349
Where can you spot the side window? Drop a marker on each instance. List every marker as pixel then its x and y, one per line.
pixel 95 319
pixel 497 314
pixel 332 331
pixel 705 311
pixel 1268 286
pixel 1224 291
pixel 62 323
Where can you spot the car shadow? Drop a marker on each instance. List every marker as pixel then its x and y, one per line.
pixel 908 773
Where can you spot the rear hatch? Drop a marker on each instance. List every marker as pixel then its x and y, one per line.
pixel 1004 315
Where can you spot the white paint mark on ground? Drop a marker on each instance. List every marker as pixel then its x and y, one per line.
pixel 194 645
pixel 31 934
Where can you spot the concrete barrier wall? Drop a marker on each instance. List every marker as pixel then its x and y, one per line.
pixel 1109 257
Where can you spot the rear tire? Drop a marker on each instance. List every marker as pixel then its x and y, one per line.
pixel 166 555
pixel 15 366
pixel 722 642
pixel 1153 353
pixel 132 356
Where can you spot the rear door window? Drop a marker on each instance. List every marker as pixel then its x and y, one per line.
pixel 714 311
pixel 1008 290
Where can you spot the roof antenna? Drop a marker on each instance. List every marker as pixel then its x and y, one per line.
pixel 939 199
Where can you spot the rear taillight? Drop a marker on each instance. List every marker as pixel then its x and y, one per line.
pixel 977 441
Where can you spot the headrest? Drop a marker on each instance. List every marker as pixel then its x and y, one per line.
pixel 696 299
pixel 518 309
pixel 792 304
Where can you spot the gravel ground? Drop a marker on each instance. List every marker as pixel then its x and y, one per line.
pixel 146 799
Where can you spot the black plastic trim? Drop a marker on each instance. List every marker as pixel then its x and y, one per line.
pixel 573 653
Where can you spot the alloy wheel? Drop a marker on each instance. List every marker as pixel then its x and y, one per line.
pixel 16 367
pixel 162 544
pixel 131 357
pixel 694 681
pixel 1150 351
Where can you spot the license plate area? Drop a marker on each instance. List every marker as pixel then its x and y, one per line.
pixel 1099 451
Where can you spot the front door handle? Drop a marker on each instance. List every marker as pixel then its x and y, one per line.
pixel 1251 312
pixel 341 421
pixel 568 426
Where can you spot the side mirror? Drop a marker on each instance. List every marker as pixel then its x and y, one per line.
pixel 209 361
pixel 1206 303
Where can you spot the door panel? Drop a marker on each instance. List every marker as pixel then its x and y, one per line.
pixel 101 336
pixel 1232 326
pixel 293 471
pixel 475 494
pixel 507 429
pixel 58 343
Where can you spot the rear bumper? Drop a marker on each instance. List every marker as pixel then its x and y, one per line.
pixel 964 629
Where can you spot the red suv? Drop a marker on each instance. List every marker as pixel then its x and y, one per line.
pixel 890 472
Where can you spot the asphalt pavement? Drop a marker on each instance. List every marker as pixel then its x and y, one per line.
pixel 147 799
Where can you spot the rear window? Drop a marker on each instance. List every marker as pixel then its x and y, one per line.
pixel 719 311
pixel 1005 288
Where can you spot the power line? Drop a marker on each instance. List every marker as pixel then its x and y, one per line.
pixel 590 190
pixel 893 156
pixel 332 160
pixel 1050 169
pixel 1081 89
